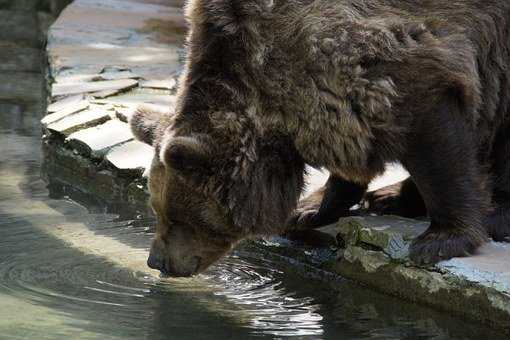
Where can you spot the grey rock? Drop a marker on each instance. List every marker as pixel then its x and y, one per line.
pixel 81 120
pixel 135 98
pixel 391 234
pixel 64 103
pixel 131 158
pixel 118 75
pixel 165 84
pixel 67 109
pixel 60 89
pixel 95 142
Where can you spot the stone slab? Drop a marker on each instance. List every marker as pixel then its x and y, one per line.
pixel 78 121
pixel 131 158
pixel 391 234
pixel 62 89
pixel 139 98
pixel 64 103
pixel 490 267
pixel 163 84
pixel 96 141
pixel 94 77
pixel 67 109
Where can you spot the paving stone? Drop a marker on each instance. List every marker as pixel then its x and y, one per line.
pixel 67 110
pixel 96 141
pixel 65 103
pixel 105 94
pixel 139 98
pixel 118 75
pixel 75 88
pixel 164 84
pixel 80 120
pixel 75 78
pixel 131 158
pixel 489 267
pixel 95 77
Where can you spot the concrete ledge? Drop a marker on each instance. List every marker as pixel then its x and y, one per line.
pixel 375 253
pixel 106 58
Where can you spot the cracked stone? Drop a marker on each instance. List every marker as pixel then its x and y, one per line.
pixel 140 98
pixel 392 234
pixel 65 103
pixel 131 158
pixel 80 120
pixel 67 109
pixel 96 141
pixel 165 84
pixel 59 89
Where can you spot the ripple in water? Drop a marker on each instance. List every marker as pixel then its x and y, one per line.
pixel 258 289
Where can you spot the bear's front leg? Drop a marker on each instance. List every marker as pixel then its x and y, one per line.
pixel 442 160
pixel 326 205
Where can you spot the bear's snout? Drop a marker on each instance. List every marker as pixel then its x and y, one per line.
pixel 173 261
pixel 155 262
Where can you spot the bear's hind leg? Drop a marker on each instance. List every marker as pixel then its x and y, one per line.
pixel 442 159
pixel 498 223
pixel 401 199
pixel 326 205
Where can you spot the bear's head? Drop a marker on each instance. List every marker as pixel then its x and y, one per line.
pixel 211 188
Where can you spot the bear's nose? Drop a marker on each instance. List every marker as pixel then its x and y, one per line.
pixel 156 263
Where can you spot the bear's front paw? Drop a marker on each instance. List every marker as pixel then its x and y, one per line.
pixel 303 218
pixel 438 244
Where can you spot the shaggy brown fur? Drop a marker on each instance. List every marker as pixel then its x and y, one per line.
pixel 347 85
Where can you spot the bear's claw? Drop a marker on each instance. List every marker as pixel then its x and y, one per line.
pixel 436 244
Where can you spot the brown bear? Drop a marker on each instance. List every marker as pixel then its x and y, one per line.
pixel 346 85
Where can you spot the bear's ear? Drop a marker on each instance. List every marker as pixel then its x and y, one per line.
pixel 186 154
pixel 228 14
pixel 144 124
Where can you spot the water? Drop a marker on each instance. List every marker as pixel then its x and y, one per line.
pixel 71 271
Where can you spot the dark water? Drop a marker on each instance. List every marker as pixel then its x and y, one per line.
pixel 69 271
